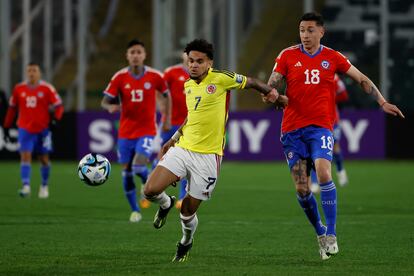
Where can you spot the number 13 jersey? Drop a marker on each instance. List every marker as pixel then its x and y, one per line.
pixel 137 95
pixel 310 85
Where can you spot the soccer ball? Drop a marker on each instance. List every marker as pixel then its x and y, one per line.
pixel 94 169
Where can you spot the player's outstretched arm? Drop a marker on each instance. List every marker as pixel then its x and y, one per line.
pixel 107 104
pixel 270 93
pixel 277 81
pixel 369 87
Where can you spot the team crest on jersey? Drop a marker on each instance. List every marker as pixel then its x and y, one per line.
pixel 239 78
pixel 40 94
pixel 211 89
pixel 325 64
pixel 147 85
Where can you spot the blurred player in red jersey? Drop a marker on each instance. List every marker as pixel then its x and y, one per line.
pixel 175 76
pixel 341 96
pixel 31 101
pixel 309 70
pixel 135 87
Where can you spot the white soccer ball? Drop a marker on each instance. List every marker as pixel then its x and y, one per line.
pixel 94 169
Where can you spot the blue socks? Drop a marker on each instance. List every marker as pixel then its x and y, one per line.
pixel 129 188
pixel 141 171
pixel 45 172
pixel 310 207
pixel 25 170
pixel 328 199
pixel 339 161
pixel 183 192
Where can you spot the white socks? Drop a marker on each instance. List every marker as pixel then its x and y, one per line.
pixel 189 226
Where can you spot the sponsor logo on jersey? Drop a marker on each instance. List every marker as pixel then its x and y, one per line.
pixel 147 85
pixel 290 155
pixel 211 89
pixel 239 78
pixel 188 91
pixel 325 64
pixel 298 64
pixel 181 78
pixel 127 86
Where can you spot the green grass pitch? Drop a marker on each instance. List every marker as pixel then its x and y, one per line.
pixel 251 226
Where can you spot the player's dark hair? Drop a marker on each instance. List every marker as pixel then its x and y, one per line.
pixel 135 42
pixel 200 45
pixel 32 63
pixel 313 16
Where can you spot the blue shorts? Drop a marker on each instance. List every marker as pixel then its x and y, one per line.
pixel 127 148
pixel 337 133
pixel 40 143
pixel 166 135
pixel 308 143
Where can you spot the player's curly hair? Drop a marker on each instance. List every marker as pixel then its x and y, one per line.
pixel 134 42
pixel 200 45
pixel 313 16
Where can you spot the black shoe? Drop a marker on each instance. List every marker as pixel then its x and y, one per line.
pixel 183 251
pixel 161 215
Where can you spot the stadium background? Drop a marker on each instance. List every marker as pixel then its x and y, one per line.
pixel 253 225
pixel 80 44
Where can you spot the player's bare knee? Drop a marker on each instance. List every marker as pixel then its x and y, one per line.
pixel 324 176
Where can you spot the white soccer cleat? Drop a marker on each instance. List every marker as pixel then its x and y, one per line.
pixel 44 192
pixel 322 247
pixel 315 188
pixel 135 217
pixel 331 245
pixel 342 177
pixel 25 191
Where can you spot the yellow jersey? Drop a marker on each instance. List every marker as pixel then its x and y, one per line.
pixel 208 105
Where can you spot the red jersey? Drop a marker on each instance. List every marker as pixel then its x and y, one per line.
pixel 175 76
pixel 33 104
pixel 138 101
pixel 341 95
pixel 310 85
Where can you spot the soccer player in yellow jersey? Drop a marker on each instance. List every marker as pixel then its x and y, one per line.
pixel 200 140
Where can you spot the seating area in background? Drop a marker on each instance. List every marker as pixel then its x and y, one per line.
pixel 354 28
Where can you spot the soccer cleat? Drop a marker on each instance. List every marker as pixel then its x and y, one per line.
pixel 183 251
pixel 135 216
pixel 322 247
pixel 25 191
pixel 161 215
pixel 315 188
pixel 342 177
pixel 178 204
pixel 331 245
pixel 144 203
pixel 43 192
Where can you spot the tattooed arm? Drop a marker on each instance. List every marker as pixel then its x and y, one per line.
pixel 277 81
pixel 369 87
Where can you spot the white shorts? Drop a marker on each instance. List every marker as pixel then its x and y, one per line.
pixel 200 169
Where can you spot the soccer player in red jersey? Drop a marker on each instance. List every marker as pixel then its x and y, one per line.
pixel 341 96
pixel 309 70
pixel 31 101
pixel 135 87
pixel 175 76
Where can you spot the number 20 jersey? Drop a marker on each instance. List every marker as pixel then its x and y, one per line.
pixel 310 85
pixel 137 95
